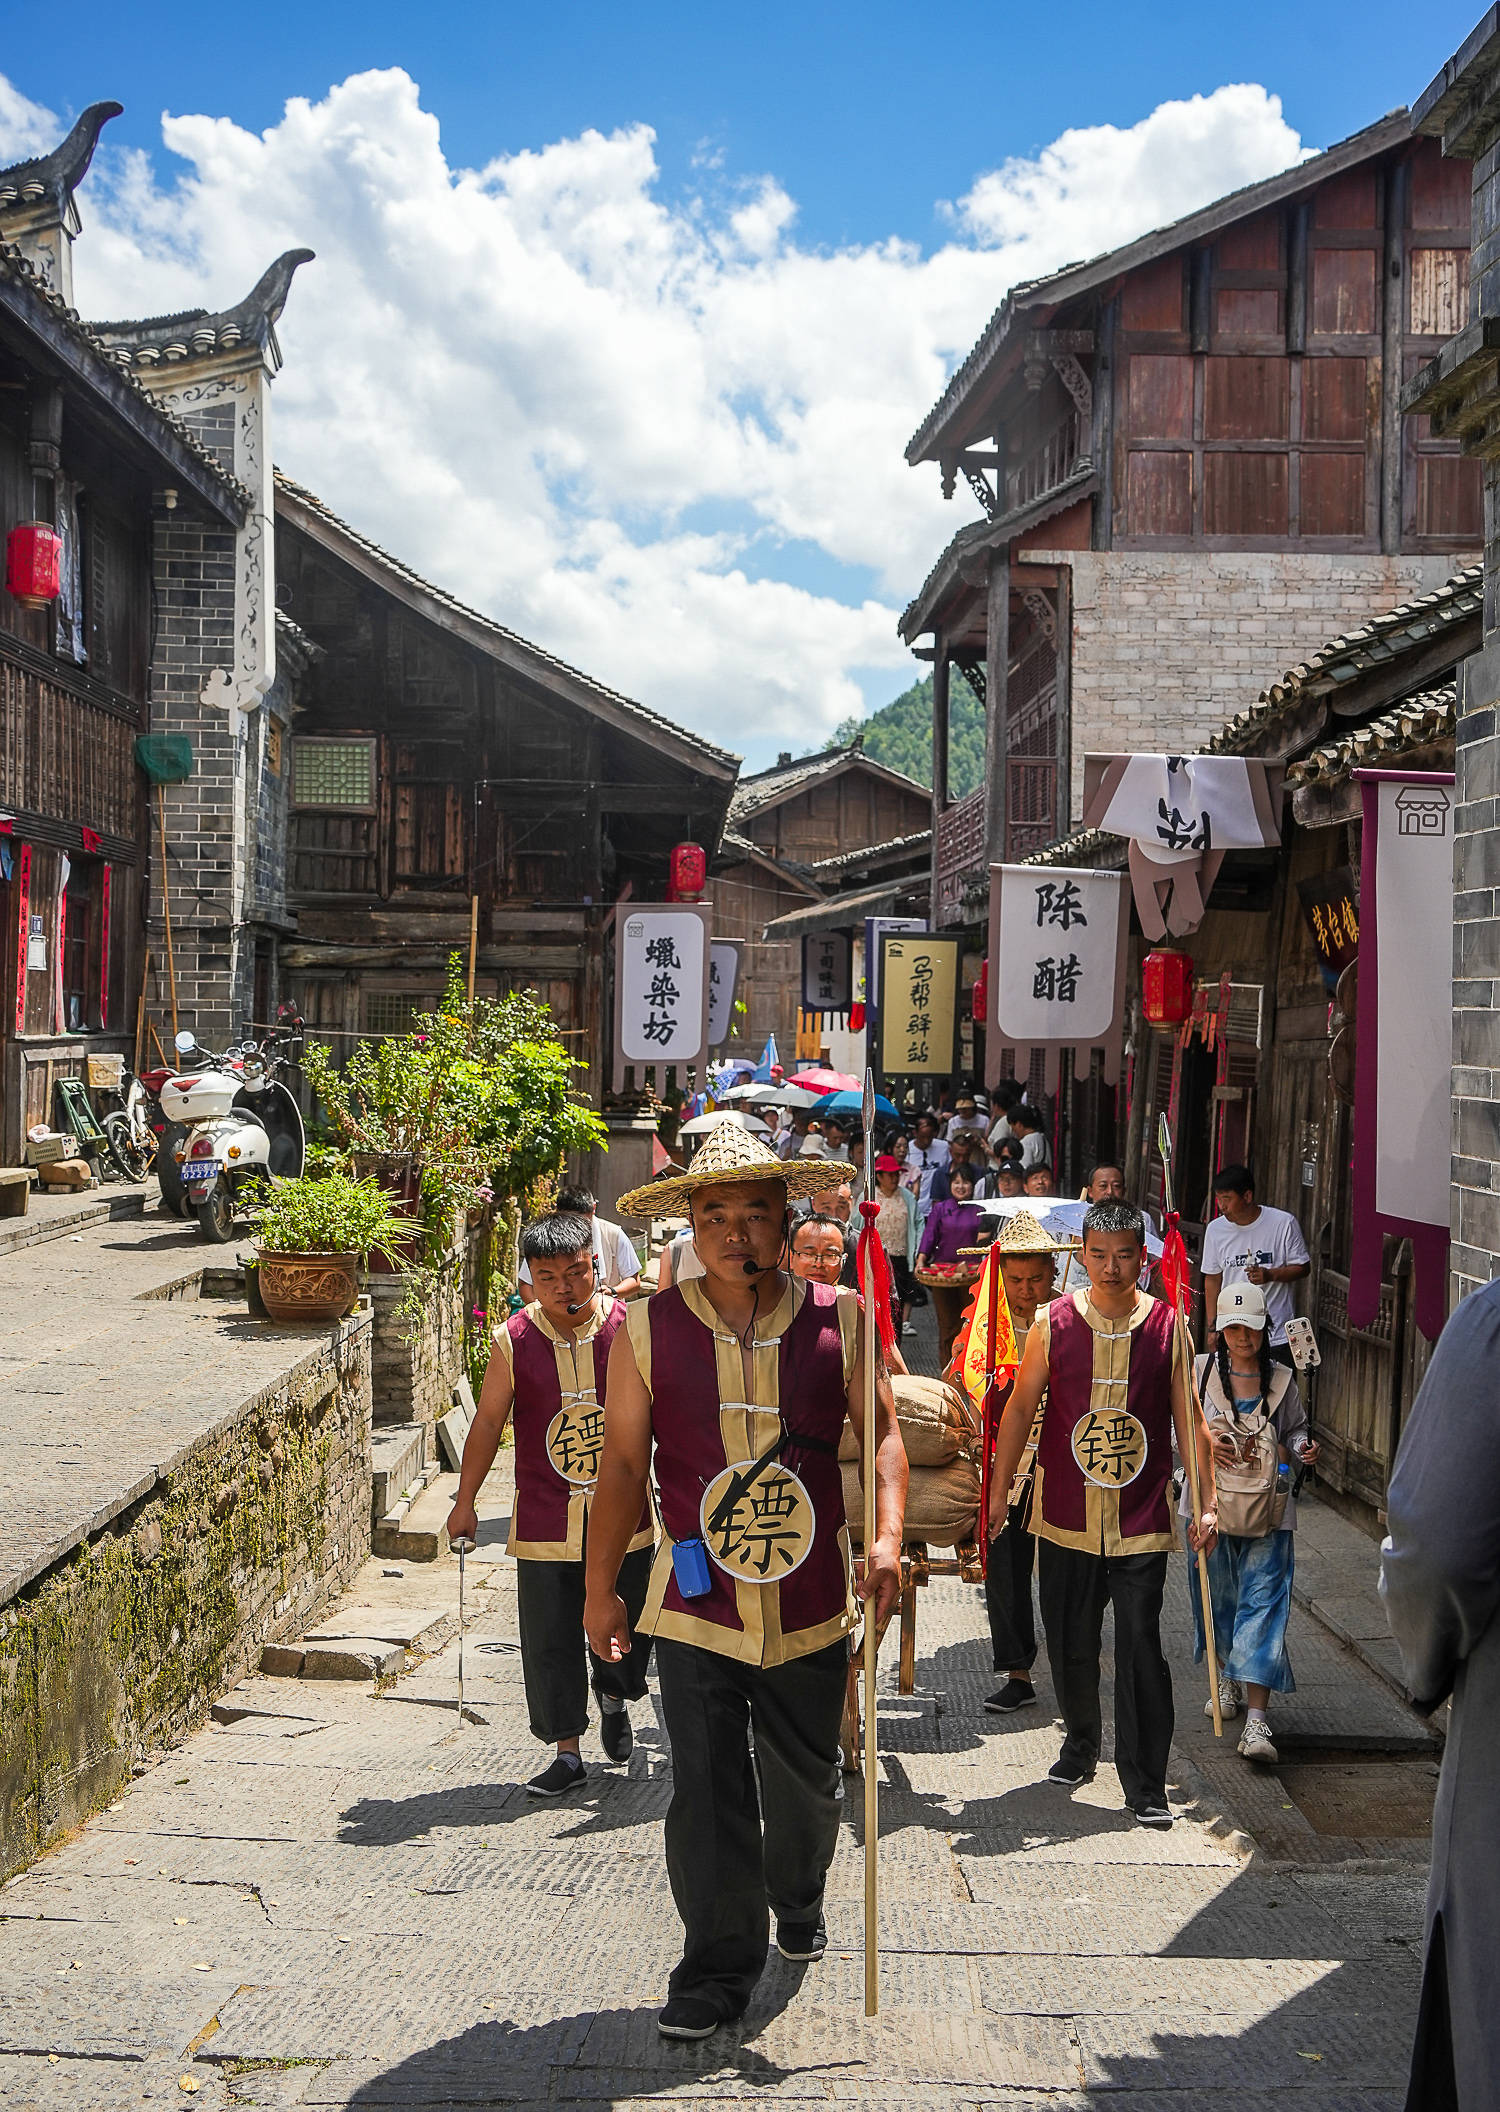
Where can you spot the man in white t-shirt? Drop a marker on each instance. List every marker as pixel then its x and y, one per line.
pixel 925 1153
pixel 617 1266
pixel 1026 1128
pixel 1249 1242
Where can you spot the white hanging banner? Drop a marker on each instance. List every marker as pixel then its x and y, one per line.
pixel 827 971
pixel 661 982
pixel 723 975
pixel 1181 813
pixel 1404 1044
pixel 1057 966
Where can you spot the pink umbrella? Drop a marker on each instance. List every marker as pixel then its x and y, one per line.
pixel 822 1081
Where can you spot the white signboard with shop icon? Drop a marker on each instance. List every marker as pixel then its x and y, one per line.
pixel 661 983
pixel 1057 965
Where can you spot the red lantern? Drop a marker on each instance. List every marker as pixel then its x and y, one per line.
pixel 33 564
pixel 689 873
pixel 979 997
pixel 1166 986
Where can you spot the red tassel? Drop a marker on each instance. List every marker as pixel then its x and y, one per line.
pixel 1175 1267
pixel 870 1256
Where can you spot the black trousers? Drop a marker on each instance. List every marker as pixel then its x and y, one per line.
pixel 1009 1563
pixel 1075 1588
pixel 747 1836
pixel 556 1662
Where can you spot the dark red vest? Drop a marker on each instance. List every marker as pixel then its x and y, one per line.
pixel 542 1516
pixel 1145 1508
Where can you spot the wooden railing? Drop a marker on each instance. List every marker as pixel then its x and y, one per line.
pixel 960 856
pixel 1051 462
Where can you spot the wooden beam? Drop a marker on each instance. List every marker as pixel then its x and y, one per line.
pixel 1200 299
pixel 1104 426
pixel 1062 815
pixel 1296 276
pixel 1393 306
pixel 996 658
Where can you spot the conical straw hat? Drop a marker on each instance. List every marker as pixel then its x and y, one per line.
pixel 731 1154
pixel 1022 1234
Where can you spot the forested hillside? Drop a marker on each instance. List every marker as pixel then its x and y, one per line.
pixel 900 734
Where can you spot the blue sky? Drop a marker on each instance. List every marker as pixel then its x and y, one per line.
pixel 656 366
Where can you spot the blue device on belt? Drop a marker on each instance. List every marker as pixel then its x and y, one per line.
pixel 690 1568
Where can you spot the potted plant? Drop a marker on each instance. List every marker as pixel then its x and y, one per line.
pixel 315 1234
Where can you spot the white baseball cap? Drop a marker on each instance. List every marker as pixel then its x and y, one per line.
pixel 1241 1305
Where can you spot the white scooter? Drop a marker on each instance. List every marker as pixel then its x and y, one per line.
pixel 241 1126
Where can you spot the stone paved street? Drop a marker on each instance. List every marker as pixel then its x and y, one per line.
pixel 337 1897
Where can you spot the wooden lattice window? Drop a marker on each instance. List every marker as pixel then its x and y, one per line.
pixel 334 775
pixel 392 1011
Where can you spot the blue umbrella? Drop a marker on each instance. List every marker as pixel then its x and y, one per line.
pixel 853 1104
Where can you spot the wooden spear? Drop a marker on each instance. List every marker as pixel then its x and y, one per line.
pixel 871 1635
pixel 1184 1350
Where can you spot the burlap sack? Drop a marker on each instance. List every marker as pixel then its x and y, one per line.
pixel 942 1504
pixel 935 1424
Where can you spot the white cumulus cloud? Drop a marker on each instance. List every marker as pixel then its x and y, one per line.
pixel 649 433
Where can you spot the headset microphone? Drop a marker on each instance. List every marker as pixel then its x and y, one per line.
pixel 576 1308
pixel 751 1268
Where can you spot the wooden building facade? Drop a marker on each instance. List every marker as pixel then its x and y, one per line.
pixel 790 828
pixel 436 756
pixel 85 451
pixel 1190 463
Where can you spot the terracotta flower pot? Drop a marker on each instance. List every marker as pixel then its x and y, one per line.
pixel 308 1286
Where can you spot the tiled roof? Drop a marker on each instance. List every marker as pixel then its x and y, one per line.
pixel 17 267
pixel 719 758
pixel 1083 847
pixel 766 788
pixel 1388 131
pixel 988 535
pixel 832 867
pixel 53 178
pixel 1384 638
pixel 167 340
pixel 1415 722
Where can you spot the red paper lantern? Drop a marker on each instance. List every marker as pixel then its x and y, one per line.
pixel 979 997
pixel 1166 986
pixel 689 873
pixel 33 564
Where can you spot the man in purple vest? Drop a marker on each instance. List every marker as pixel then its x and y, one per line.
pixel 741 1381
pixel 1108 1361
pixel 547 1368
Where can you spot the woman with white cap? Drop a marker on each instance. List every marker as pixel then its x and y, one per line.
pixel 1258 1425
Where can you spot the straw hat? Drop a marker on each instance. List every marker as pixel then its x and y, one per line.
pixel 1022 1234
pixel 730 1154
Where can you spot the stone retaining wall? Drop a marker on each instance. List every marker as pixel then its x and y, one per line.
pixel 122 1646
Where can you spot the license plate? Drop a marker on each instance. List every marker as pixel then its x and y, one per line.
pixel 201 1170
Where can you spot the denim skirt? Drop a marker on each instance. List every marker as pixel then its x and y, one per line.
pixel 1250 1586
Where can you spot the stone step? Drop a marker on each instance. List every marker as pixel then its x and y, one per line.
pixel 420 1628
pixel 398 1464
pixel 417 1531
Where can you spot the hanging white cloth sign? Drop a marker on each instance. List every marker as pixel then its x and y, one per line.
pixel 1181 813
pixel 661 982
pixel 723 974
pixel 1057 965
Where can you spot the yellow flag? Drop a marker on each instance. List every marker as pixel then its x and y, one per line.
pixel 977 1356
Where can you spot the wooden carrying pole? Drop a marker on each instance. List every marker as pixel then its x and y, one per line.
pixel 1185 1352
pixel 140 1014
pixel 871 1635
pixel 166 904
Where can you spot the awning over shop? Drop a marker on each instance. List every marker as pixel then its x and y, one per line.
pixel 848 912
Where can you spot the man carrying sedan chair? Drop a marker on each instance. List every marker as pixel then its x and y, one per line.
pixel 736 1386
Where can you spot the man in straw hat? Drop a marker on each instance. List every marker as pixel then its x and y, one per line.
pixel 741 1380
pixel 1025 1254
pixel 1107 1360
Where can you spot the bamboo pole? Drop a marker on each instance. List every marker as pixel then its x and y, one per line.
pixel 871 1633
pixel 473 946
pixel 166 903
pixel 1185 1352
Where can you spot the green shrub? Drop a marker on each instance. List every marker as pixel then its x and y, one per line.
pixel 331 1214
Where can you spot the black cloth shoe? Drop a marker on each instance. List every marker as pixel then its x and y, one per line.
pixel 1015 1694
pixel 558 1779
pixel 801 1941
pixel 1151 1812
pixel 1069 1773
pixel 688 2017
pixel 615 1734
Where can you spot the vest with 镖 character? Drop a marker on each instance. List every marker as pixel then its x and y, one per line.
pixel 774 1605
pixel 1104 1458
pixel 558 1422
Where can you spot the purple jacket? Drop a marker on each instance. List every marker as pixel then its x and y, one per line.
pixel 950 1226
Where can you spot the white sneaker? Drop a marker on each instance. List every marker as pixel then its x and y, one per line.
pixel 1256 1742
pixel 1231 1699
